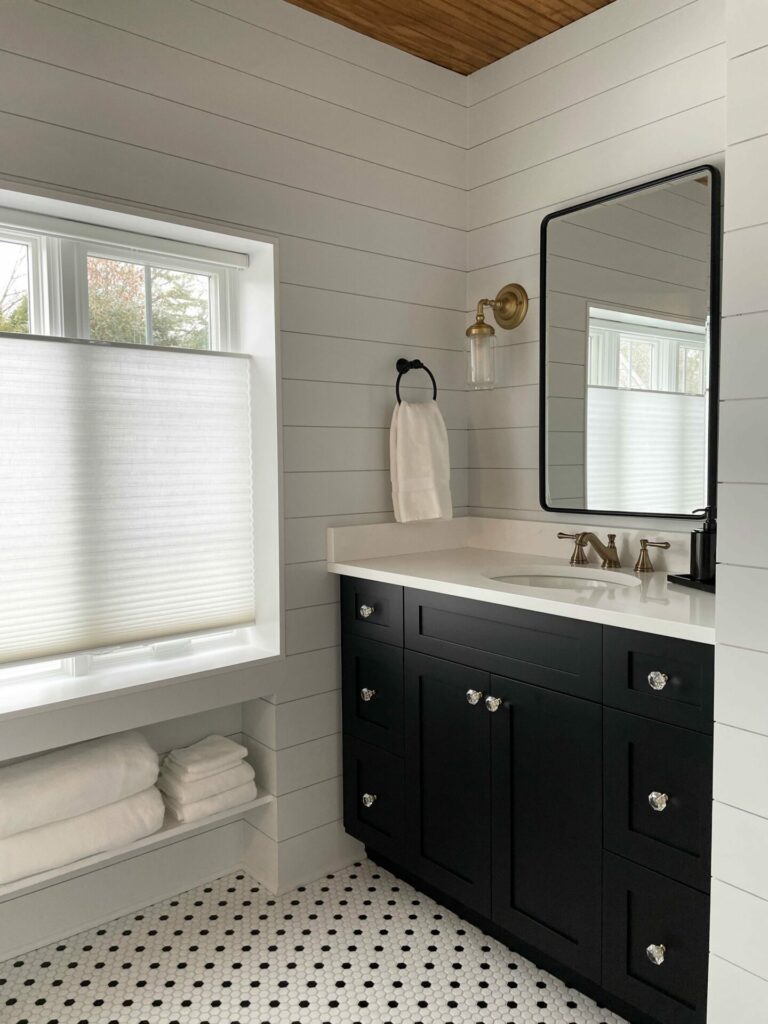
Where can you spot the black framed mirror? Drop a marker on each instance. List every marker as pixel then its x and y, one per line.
pixel 630 341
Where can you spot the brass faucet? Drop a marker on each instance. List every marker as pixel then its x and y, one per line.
pixel 608 554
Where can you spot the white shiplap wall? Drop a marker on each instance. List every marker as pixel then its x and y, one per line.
pixel 253 115
pixel 739 940
pixel 630 93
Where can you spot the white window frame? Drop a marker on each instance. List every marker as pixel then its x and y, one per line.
pixel 59 235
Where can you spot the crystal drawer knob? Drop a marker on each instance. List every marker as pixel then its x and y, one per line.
pixel 474 696
pixel 658 801
pixel 493 703
pixel 656 953
pixel 369 799
pixel 366 611
pixel 366 694
pixel 657 680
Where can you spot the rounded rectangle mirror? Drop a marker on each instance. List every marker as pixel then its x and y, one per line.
pixel 630 318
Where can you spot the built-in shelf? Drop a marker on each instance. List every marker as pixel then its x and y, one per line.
pixel 171 832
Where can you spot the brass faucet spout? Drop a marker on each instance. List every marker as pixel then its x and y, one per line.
pixel 608 554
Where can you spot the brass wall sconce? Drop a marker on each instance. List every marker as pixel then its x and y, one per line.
pixel 509 309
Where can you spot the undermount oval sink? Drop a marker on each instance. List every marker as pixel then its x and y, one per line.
pixel 554 577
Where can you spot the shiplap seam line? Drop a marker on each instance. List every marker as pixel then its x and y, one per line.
pixel 593 145
pixel 213 223
pixel 249 74
pixel 334 56
pixel 582 53
pixel 617 186
pixel 588 99
pixel 233 120
pixel 229 170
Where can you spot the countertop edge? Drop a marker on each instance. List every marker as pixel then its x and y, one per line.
pixel 620 620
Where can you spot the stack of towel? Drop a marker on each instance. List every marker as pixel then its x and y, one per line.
pixel 208 777
pixel 77 801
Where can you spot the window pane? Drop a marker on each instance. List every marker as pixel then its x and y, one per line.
pixel 642 365
pixel 14 288
pixel 116 301
pixel 181 309
pixel 625 363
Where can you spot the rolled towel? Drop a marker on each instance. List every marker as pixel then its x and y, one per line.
pixel 212 804
pixel 74 780
pixel 189 791
pixel 63 842
pixel 211 755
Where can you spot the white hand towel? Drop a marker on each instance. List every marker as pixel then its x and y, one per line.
pixel 63 842
pixel 188 792
pixel 74 780
pixel 212 804
pixel 211 755
pixel 419 463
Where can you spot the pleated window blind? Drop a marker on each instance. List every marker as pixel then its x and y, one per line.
pixel 125 495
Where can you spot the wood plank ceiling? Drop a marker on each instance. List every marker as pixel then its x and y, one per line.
pixel 463 35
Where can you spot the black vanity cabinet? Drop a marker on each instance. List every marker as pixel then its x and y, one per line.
pixel 551 778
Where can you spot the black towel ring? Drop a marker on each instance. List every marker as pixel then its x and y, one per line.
pixel 404 365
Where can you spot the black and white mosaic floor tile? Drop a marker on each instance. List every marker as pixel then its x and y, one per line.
pixel 357 947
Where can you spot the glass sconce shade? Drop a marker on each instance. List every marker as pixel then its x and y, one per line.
pixel 481 358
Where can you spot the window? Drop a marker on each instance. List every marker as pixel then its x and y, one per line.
pixel 14 286
pixel 642 353
pixel 128 489
pixel 646 386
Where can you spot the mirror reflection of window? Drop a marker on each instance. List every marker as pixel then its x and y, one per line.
pixel 645 408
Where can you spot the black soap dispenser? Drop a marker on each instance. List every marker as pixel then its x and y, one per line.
pixel 703 555
pixel 703 544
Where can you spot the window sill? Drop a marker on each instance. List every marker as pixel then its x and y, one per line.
pixel 53 692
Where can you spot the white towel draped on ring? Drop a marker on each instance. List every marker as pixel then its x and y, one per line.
pixel 419 463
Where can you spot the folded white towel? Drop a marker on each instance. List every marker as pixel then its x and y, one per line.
pixel 211 755
pixel 419 463
pixel 62 842
pixel 188 792
pixel 74 780
pixel 212 804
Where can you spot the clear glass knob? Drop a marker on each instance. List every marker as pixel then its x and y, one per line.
pixel 369 799
pixel 656 953
pixel 493 703
pixel 658 801
pixel 474 696
pixel 366 694
pixel 657 680
pixel 366 611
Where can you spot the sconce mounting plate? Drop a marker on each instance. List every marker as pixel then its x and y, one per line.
pixel 510 306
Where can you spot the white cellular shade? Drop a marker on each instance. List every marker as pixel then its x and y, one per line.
pixel 126 509
pixel 646 450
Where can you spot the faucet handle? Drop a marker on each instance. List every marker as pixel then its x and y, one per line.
pixel 644 563
pixel 578 557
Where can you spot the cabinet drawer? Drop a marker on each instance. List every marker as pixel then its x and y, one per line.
pixel 642 912
pixel 372 610
pixel 549 650
pixel 670 680
pixel 670 832
pixel 372 692
pixel 373 797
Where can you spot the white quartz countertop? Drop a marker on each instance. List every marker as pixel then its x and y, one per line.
pixel 654 606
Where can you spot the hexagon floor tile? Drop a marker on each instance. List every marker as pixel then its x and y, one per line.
pixel 356 947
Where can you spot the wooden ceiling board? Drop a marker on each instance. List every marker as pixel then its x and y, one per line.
pixel 462 35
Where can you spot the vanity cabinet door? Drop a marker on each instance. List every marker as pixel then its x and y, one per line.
pixel 547 821
pixel 447 771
